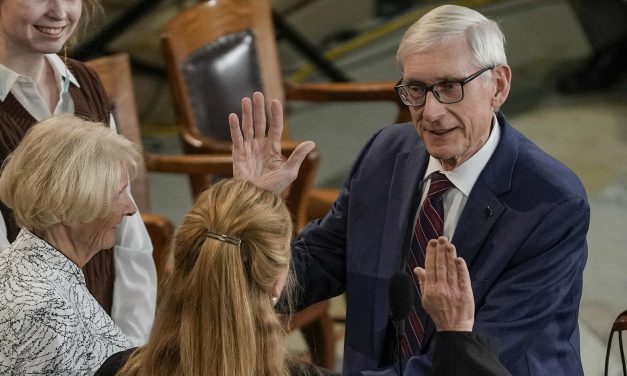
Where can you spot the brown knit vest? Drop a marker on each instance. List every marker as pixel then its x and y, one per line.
pixel 90 103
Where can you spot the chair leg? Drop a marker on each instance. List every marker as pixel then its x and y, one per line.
pixel 607 353
pixel 622 352
pixel 320 338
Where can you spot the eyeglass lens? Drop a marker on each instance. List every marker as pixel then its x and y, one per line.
pixel 446 92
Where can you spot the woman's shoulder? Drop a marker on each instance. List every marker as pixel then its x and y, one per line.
pixel 24 284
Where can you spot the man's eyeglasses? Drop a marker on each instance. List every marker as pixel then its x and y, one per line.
pixel 447 92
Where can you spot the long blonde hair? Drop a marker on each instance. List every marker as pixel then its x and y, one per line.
pixel 216 315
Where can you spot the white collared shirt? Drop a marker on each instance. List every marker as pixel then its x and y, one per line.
pixel 49 322
pixel 24 89
pixel 135 285
pixel 463 178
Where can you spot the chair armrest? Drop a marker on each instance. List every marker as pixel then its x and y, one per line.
pixel 201 164
pixel 191 164
pixel 348 92
pixel 308 315
pixel 341 91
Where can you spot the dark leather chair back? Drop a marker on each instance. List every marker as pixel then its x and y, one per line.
pixel 217 76
pixel 216 53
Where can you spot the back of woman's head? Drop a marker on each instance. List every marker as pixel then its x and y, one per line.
pixel 239 210
pixel 216 315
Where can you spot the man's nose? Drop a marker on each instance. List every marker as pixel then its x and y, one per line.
pixel 432 109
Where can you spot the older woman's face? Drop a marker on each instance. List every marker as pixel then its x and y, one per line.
pixel 100 234
pixel 38 25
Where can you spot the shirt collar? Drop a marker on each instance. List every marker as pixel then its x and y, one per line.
pixel 7 80
pixel 60 70
pixel 465 175
pixel 8 77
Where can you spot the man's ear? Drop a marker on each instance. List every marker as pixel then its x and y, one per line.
pixel 503 79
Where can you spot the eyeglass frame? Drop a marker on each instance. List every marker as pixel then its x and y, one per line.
pixel 428 89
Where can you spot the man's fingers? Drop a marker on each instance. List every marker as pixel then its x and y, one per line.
pixel 247 119
pixel 451 268
pixel 430 262
pixel 298 155
pixel 463 276
pixel 440 260
pixel 421 274
pixel 276 124
pixel 236 132
pixel 259 115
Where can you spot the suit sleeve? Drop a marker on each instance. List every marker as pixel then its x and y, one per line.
pixel 319 252
pixel 465 353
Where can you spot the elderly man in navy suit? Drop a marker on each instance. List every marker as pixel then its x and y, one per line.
pixel 517 216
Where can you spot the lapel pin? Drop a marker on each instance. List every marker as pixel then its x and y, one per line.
pixel 488 212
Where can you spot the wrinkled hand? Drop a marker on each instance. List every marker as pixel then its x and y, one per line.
pixel 445 287
pixel 258 158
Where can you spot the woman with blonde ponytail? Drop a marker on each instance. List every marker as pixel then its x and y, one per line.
pixel 216 317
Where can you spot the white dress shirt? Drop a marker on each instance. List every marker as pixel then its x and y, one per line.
pixel 135 285
pixel 463 178
pixel 49 322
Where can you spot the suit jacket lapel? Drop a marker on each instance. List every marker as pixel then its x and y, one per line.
pixel 483 207
pixel 403 201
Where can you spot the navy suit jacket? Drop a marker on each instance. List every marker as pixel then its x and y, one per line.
pixel 522 233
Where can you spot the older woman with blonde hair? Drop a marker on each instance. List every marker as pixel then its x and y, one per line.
pixel 35 84
pixel 67 183
pixel 231 262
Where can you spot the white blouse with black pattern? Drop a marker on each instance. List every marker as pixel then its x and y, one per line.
pixel 49 322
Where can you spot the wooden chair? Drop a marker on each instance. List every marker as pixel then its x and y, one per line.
pixel 219 51
pixel 115 74
pixel 620 324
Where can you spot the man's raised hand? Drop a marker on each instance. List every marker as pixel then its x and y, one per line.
pixel 257 157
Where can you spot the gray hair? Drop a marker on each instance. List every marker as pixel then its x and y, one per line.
pixel 449 22
pixel 68 170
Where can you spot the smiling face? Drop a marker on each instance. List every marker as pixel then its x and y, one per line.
pixel 452 133
pixel 100 234
pixel 41 26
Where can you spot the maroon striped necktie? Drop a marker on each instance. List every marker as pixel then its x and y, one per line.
pixel 429 225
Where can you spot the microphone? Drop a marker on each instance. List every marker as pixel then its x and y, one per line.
pixel 401 299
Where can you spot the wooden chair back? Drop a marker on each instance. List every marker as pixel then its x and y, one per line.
pixel 115 74
pixel 212 65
